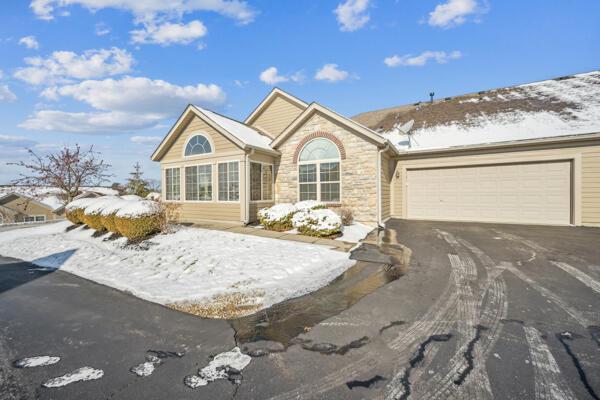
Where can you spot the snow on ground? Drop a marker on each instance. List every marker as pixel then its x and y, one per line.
pixel 81 374
pixel 37 361
pixel 355 233
pixel 232 361
pixel 582 92
pixel 191 265
pixel 145 368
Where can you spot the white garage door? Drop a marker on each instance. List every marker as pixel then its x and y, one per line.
pixel 538 193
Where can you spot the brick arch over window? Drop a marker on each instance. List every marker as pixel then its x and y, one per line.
pixel 319 134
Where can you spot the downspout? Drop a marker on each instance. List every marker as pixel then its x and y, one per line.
pixel 247 187
pixel 378 184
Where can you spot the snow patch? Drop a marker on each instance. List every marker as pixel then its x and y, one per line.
pixel 145 368
pixel 355 233
pixel 79 375
pixel 37 361
pixel 219 368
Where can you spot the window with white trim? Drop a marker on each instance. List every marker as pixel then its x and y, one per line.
pixel 198 183
pixel 261 181
pixel 40 218
pixel 198 144
pixel 319 176
pixel 172 184
pixel 229 181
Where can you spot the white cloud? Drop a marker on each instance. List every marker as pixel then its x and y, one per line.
pixel 6 94
pixel 16 141
pixel 352 14
pixel 169 33
pixel 88 122
pixel 146 139
pixel 408 60
pixel 454 12
pixel 150 10
pixel 271 76
pixel 62 66
pixel 101 29
pixel 122 104
pixel 30 42
pixel 331 73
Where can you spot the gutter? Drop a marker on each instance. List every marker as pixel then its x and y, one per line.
pixel 380 223
pixel 246 220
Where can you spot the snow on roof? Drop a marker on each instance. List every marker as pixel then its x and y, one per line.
pixel 557 107
pixel 49 196
pixel 101 189
pixel 238 129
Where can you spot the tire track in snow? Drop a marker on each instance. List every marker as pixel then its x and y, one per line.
pixel 579 275
pixel 549 383
pixel 488 311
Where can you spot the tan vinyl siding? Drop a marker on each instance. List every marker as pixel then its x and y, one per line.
pixel 22 206
pixel 386 178
pixel 222 145
pixel 590 188
pixel 210 211
pixel 586 171
pixel 277 116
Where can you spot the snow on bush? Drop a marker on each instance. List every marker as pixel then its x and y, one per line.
pixel 307 205
pixel 153 196
pixel 319 222
pixel 138 219
pixel 131 197
pixel 278 217
pixel 74 210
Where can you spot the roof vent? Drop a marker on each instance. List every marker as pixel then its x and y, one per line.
pixel 418 103
pixel 482 92
pixel 562 78
pixel 448 98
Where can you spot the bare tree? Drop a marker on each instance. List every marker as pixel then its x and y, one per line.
pixel 68 169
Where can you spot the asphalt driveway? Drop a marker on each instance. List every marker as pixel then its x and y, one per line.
pixel 483 311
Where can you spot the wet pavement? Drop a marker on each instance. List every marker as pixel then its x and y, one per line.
pixel 431 310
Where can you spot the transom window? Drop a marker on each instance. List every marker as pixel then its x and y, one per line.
pixel 261 181
pixel 198 183
pixel 198 144
pixel 319 172
pixel 229 181
pixel 172 184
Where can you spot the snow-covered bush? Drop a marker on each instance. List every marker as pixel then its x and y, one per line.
pixel 278 217
pixel 347 216
pixel 74 210
pixel 109 212
pixel 92 214
pixel 138 219
pixel 153 196
pixel 320 222
pixel 131 197
pixel 307 205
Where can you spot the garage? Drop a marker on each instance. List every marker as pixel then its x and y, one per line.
pixel 536 193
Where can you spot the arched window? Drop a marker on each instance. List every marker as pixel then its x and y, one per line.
pixel 319 175
pixel 319 149
pixel 198 144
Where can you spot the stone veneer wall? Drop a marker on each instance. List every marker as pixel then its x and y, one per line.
pixel 359 168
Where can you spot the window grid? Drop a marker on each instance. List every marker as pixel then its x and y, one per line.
pixel 261 181
pixel 198 183
pixel 229 181
pixel 320 181
pixel 172 184
pixel 198 144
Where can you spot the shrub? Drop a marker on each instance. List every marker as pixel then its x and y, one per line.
pixel 347 216
pixel 307 205
pixel 74 210
pixel 320 222
pixel 138 219
pixel 93 211
pixel 278 217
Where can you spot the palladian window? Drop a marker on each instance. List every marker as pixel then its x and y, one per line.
pixel 319 172
pixel 198 144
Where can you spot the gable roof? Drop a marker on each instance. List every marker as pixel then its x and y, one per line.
pixel 29 199
pixel 262 106
pixel 568 105
pixel 346 122
pixel 239 133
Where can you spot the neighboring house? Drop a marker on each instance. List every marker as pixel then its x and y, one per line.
pixel 16 207
pixel 531 154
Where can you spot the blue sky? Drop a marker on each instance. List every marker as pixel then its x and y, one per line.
pixel 116 73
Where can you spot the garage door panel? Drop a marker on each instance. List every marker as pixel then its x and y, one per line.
pixel 535 193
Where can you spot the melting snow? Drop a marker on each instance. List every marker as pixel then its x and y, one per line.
pixel 37 361
pixel 355 233
pixel 174 268
pixel 220 367
pixel 145 368
pixel 79 375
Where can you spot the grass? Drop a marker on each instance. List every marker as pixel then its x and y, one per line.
pixel 223 306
